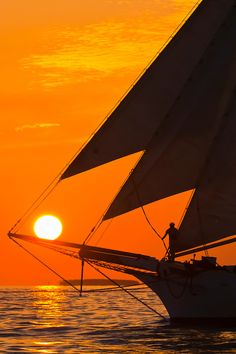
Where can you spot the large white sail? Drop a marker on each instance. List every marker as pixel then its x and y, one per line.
pixel 178 152
pixel 132 124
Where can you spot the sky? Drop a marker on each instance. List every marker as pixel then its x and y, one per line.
pixel 64 64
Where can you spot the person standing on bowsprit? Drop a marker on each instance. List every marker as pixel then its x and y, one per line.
pixel 172 232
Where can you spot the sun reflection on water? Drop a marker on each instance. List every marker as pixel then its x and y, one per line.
pixel 46 344
pixel 49 304
pixel 54 319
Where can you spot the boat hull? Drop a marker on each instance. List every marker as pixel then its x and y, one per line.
pixel 204 295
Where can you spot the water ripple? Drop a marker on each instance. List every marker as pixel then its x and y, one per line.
pixel 56 320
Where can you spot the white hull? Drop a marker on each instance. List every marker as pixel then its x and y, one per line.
pixel 204 294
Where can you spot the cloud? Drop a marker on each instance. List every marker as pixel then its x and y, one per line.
pixel 93 52
pixel 36 126
pixel 120 45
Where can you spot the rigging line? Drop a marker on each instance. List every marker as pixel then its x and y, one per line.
pixel 93 231
pixel 50 187
pixel 139 290
pixel 134 287
pixel 115 288
pixel 133 84
pixel 44 194
pixel 152 227
pixel 45 265
pixel 100 221
pixel 125 290
pixel 145 214
pixel 103 233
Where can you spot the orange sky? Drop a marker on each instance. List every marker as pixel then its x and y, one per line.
pixel 64 65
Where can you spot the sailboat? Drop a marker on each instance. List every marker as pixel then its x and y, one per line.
pixel 182 114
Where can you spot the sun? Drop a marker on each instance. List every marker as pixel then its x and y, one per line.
pixel 48 227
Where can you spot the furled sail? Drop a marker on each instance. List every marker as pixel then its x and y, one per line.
pixel 133 123
pixel 177 154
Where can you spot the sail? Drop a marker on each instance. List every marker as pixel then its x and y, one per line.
pixel 177 154
pixel 212 212
pixel 131 126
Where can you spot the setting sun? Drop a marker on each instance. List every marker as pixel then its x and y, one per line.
pixel 48 227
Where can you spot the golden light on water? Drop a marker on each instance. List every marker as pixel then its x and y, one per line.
pixel 48 227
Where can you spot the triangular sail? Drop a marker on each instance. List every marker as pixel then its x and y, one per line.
pixel 132 124
pixel 177 154
pixel 212 212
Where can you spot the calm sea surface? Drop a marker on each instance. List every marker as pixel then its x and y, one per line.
pixel 54 319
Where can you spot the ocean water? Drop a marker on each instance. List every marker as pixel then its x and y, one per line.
pixel 54 319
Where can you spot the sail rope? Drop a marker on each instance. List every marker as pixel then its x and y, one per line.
pixel 99 222
pixel 152 227
pixel 45 265
pixel 145 214
pixel 101 219
pixel 128 292
pixel 93 231
pixel 115 288
pixel 104 231
pixel 35 205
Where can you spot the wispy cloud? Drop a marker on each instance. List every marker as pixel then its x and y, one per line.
pixel 36 126
pixel 122 44
pixel 94 51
